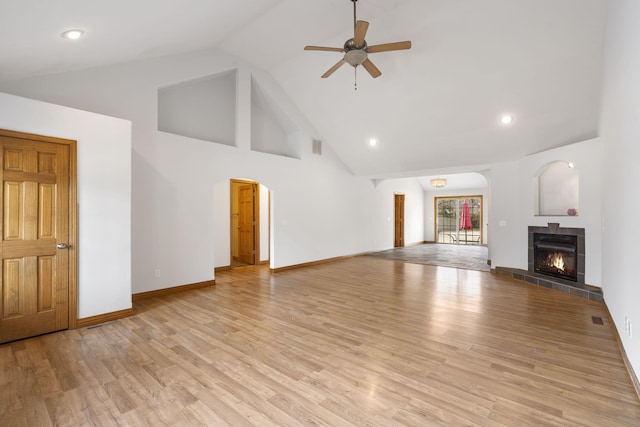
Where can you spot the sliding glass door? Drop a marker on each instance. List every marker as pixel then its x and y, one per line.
pixel 459 220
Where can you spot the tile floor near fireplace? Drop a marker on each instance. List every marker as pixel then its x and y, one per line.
pixel 589 292
pixel 577 287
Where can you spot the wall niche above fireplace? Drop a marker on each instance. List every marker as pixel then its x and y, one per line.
pixel 556 190
pixel 557 252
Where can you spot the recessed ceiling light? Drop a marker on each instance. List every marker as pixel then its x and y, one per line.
pixel 506 119
pixel 72 34
pixel 570 165
pixel 373 142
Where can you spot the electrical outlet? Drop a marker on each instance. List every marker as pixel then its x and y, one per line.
pixel 156 273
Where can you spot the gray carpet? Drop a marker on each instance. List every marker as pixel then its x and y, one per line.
pixel 471 257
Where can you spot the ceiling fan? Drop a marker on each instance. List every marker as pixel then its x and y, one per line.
pixel 356 50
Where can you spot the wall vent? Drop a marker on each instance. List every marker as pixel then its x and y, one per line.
pixel 316 147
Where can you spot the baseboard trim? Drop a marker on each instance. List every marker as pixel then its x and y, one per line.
pixel 313 263
pixel 169 291
pixel 103 318
pixel 229 267
pixel 627 362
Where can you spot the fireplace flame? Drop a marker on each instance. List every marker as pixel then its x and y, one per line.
pixel 557 261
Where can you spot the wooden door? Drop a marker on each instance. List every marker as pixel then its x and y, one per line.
pixel 35 234
pixel 398 241
pixel 246 223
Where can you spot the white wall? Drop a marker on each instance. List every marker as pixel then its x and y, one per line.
pixel 271 129
pixel 620 131
pixel 382 212
pixel 104 195
pixel 203 108
pixel 180 184
pixel 506 236
pixel 587 157
pixel 558 189
pixel 513 194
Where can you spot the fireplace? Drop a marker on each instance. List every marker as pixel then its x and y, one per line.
pixel 557 252
pixel 556 255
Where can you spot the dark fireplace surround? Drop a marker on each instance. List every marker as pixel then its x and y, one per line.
pixel 557 252
pixel 552 243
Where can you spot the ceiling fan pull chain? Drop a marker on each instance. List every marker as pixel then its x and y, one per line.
pixel 355 78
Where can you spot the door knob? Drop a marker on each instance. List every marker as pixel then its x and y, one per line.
pixel 62 246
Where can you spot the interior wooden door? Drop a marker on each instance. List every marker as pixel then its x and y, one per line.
pixel 246 223
pixel 398 241
pixel 34 288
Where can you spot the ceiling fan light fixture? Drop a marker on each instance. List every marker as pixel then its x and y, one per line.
pixel 355 57
pixel 438 182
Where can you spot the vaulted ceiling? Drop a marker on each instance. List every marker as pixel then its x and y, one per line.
pixel 436 107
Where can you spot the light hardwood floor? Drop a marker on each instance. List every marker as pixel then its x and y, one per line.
pixel 362 341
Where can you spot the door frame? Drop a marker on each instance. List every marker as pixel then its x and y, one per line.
pixel 73 213
pixel 435 214
pixel 256 216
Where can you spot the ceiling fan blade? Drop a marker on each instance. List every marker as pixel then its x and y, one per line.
pixel 389 46
pixel 372 69
pixel 326 49
pixel 333 69
pixel 360 32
